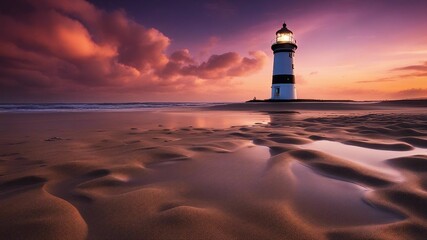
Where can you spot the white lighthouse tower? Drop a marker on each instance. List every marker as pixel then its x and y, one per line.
pixel 283 86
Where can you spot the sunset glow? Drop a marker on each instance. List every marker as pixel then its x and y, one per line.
pixel 115 51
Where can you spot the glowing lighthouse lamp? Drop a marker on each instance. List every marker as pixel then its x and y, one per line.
pixel 283 86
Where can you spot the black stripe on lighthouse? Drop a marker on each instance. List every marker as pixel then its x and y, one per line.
pixel 283 78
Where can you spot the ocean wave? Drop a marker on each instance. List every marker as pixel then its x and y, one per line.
pixel 79 107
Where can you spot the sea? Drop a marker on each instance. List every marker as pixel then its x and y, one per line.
pixel 90 107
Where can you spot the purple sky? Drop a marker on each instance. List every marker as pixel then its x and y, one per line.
pixel 107 51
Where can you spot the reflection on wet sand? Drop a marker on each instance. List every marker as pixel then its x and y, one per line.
pixel 213 175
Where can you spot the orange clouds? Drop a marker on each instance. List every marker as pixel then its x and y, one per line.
pixel 221 66
pixel 410 93
pixel 414 70
pixel 56 48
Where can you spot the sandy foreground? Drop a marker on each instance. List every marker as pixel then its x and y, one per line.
pixel 241 171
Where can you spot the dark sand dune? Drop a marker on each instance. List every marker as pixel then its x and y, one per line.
pixel 417 163
pixel 341 168
pixel 289 140
pixel 416 142
pixel 21 182
pixel 380 146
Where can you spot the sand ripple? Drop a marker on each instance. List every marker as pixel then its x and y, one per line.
pixel 245 182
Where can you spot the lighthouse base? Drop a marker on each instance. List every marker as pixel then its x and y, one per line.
pixel 285 91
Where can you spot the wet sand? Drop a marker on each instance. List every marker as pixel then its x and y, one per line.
pixel 240 171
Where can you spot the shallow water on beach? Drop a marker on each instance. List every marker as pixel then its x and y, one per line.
pixel 14 125
pixel 372 158
pixel 238 174
pixel 243 176
pixel 329 201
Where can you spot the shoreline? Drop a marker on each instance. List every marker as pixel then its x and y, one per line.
pixel 394 105
pixel 302 104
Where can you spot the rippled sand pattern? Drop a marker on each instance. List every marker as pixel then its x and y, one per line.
pixel 293 176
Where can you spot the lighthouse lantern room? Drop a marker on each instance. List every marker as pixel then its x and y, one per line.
pixel 283 85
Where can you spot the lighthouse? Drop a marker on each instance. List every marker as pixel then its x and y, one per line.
pixel 283 84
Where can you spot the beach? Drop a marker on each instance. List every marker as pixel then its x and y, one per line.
pixel 309 170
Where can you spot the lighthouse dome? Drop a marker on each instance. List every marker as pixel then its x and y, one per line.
pixel 284 29
pixel 284 35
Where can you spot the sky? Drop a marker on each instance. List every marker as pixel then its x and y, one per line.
pixel 209 50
